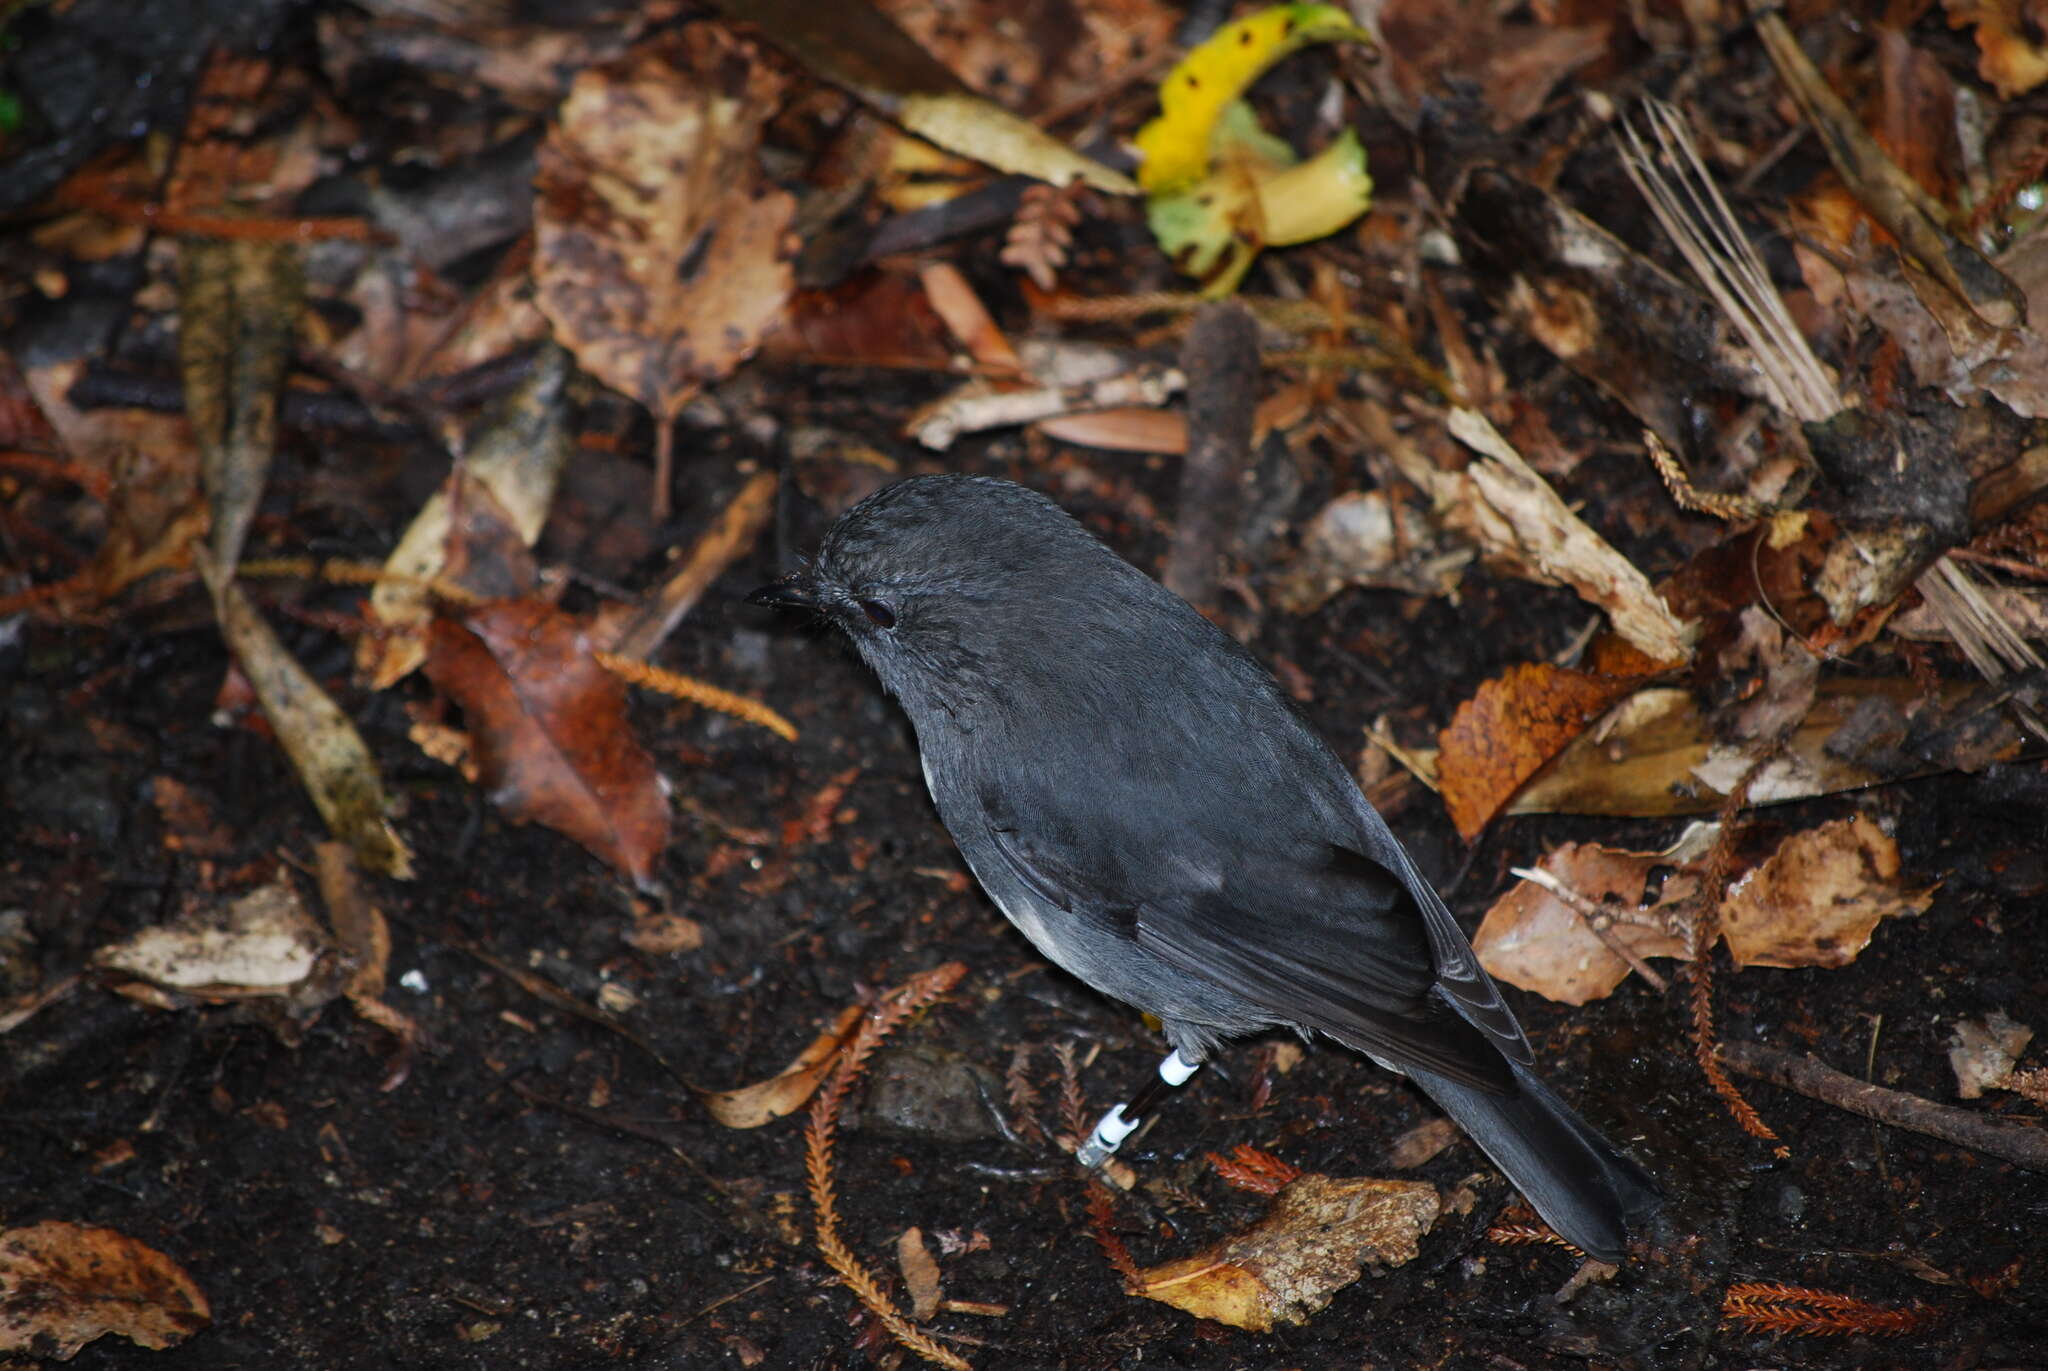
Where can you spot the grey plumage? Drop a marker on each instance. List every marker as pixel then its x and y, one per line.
pixel 1137 795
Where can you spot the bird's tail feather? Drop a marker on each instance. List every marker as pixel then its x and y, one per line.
pixel 1584 1188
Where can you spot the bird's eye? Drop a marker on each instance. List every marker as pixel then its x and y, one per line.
pixel 879 614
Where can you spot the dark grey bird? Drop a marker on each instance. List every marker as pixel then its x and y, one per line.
pixel 1139 797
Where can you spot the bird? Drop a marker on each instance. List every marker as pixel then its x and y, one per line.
pixel 1146 805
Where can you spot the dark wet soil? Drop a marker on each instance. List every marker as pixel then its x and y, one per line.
pixel 540 1192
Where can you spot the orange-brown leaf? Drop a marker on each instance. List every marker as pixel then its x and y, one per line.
pixel 658 259
pixel 63 1284
pixel 549 730
pixel 1506 732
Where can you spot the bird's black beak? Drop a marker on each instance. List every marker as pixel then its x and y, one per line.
pixel 791 592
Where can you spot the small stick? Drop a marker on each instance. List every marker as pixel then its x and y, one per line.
pixel 1597 920
pixel 727 540
pixel 1220 358
pixel 2019 1143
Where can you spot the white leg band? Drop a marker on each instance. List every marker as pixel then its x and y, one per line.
pixel 1176 1069
pixel 1109 1135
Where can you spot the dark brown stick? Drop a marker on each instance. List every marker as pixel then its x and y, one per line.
pixel 2019 1143
pixel 1221 360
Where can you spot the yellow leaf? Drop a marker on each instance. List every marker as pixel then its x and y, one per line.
pixel 1176 146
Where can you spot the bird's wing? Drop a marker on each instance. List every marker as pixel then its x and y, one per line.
pixel 1317 934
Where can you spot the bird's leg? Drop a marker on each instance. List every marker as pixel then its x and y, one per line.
pixel 1122 1121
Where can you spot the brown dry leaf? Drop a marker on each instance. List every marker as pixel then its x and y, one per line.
pixel 1037 54
pixel 1506 732
pixel 1657 754
pixel 265 943
pixel 1422 1142
pixel 549 730
pixel 874 319
pixel 188 820
pixel 660 260
pixel 1533 939
pixel 1313 1242
pixel 475 530
pixel 1817 899
pixel 1814 902
pixel 363 938
pixel 1512 66
pixel 1129 428
pixel 2010 53
pixel 920 1274
pixel 63 1284
pixel 784 1093
pixel 151 460
pixel 333 761
pixel 968 319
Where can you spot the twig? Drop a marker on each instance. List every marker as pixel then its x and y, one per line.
pixel 2022 1144
pixel 976 407
pixel 1597 920
pixel 913 995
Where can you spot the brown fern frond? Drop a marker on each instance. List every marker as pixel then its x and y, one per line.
pixel 889 1013
pixel 1023 1096
pixel 1517 1232
pixel 697 692
pixel 1073 1119
pixel 1042 232
pixel 1706 931
pixel 1248 1168
pixel 1101 1220
pixel 1777 1308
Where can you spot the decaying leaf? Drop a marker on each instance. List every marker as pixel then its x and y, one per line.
pixel 1984 1051
pixel 63 1284
pixel 784 1093
pixel 1658 754
pixel 920 1273
pixel 238 310
pixel 1509 728
pixel 1314 1241
pixel 1816 900
pixel 856 46
pixel 333 761
pixel 474 530
pixel 1536 939
pixel 660 260
pixel 549 730
pixel 265 943
pixel 1369 538
pixel 2011 54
